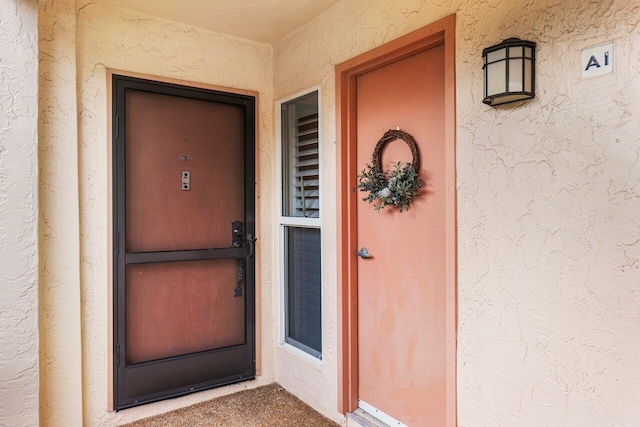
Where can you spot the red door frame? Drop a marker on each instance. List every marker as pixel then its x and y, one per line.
pixel 439 32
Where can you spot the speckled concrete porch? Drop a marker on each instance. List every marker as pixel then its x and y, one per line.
pixel 265 406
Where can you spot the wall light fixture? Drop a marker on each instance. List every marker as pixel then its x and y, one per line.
pixel 509 71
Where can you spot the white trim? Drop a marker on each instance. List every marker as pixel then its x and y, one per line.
pixel 299 94
pixel 377 413
pixel 281 294
pixel 300 222
pixel 285 221
pixel 279 229
pixel 300 353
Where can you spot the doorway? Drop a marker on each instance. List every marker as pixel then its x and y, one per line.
pixel 184 234
pixel 397 297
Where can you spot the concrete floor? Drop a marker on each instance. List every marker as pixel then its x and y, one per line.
pixel 265 406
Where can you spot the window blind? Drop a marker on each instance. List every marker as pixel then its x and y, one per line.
pixel 304 300
pixel 306 167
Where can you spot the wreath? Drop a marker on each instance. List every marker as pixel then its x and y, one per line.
pixel 397 187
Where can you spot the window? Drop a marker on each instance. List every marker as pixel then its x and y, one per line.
pixel 301 169
pixel 300 224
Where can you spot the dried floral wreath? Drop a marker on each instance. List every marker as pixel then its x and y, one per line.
pixel 397 187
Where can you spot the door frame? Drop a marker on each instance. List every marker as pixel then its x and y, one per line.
pixel 111 211
pixel 441 32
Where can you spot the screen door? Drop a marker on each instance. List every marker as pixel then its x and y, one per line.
pixel 184 234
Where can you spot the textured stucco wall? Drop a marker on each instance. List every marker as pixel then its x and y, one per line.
pixel 60 327
pixel 549 252
pixel 548 203
pixel 549 233
pixel 18 213
pixel 110 38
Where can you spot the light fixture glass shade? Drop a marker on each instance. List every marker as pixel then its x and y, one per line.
pixel 509 71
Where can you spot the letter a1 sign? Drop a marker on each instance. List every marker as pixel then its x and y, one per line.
pixel 597 60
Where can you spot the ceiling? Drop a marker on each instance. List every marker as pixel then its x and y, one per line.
pixel 260 20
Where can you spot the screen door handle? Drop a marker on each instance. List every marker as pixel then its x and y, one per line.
pixel 237 291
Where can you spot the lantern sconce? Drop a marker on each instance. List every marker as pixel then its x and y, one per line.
pixel 509 71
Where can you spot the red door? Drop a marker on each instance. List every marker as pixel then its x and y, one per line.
pixel 401 289
pixel 184 226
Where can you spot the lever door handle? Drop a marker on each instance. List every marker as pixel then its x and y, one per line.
pixel 237 292
pixel 364 253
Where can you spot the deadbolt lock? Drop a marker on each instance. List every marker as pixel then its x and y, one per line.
pixel 186 180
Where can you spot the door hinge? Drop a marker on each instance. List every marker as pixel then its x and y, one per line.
pixel 117 242
pixel 117 126
pixel 117 354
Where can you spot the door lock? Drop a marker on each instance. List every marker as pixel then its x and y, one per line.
pixel 186 180
pixel 237 234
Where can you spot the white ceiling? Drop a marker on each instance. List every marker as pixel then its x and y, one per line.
pixel 260 20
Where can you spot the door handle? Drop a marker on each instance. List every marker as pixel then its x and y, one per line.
pixel 364 253
pixel 237 292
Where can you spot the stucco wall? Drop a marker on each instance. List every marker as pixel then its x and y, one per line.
pixel 548 202
pixel 59 245
pixel 100 38
pixel 18 213
pixel 548 196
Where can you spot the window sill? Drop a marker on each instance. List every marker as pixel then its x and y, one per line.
pixel 301 354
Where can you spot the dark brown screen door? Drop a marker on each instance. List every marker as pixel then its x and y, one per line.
pixel 184 227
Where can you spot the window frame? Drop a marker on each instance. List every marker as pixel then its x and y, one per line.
pixel 283 222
